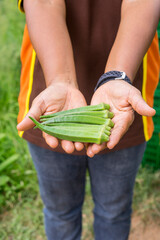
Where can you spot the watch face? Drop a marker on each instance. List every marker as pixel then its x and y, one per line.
pixel 123 75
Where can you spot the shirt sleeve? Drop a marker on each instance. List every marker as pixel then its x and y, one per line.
pixel 20 5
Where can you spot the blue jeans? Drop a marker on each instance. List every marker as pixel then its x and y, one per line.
pixel 62 187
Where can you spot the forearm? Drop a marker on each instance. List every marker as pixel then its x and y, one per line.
pixel 139 20
pixel 50 38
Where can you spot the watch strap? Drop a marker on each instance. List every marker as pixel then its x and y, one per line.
pixel 112 75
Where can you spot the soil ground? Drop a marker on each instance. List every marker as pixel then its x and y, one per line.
pixel 142 230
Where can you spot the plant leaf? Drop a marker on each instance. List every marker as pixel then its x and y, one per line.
pixel 2 135
pixel 3 180
pixel 8 162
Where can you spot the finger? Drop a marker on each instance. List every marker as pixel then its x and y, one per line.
pixel 79 146
pixel 67 146
pixel 89 151
pixel 139 105
pixel 95 148
pixel 35 111
pixel 116 134
pixel 50 140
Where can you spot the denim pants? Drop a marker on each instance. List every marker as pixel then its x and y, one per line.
pixel 62 188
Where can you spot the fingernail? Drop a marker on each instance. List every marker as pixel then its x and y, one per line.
pixel 91 154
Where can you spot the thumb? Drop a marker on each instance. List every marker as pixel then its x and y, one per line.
pixel 139 105
pixel 35 111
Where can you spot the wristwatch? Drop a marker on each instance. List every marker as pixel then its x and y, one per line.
pixel 112 75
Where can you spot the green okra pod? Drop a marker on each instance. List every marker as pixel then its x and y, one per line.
pixel 72 135
pixel 80 119
pixel 98 107
pixel 102 114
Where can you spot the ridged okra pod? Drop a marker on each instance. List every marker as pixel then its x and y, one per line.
pixel 102 114
pixel 79 125
pixel 98 107
pixel 80 119
pixel 72 135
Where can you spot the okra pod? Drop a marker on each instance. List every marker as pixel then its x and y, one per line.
pixel 77 129
pixel 80 119
pixel 79 125
pixel 103 114
pixel 71 135
pixel 68 124
pixel 98 107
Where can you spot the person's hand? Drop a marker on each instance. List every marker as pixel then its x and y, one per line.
pixel 123 99
pixel 57 97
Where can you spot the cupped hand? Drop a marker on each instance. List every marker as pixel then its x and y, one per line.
pixel 57 97
pixel 123 99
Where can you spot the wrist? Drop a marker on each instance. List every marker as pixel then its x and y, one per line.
pixel 62 79
pixel 112 75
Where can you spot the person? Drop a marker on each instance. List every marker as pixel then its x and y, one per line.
pixel 67 45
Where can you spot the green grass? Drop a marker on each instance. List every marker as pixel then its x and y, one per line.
pixel 17 175
pixel 20 204
pixel 147 194
pixel 24 221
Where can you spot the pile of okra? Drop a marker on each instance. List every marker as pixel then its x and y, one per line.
pixel 91 124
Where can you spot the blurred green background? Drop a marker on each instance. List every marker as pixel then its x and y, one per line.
pixel 21 215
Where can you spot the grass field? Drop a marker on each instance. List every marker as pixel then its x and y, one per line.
pixel 20 205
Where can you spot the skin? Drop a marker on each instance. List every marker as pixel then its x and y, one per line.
pixel 134 36
pixel 54 43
